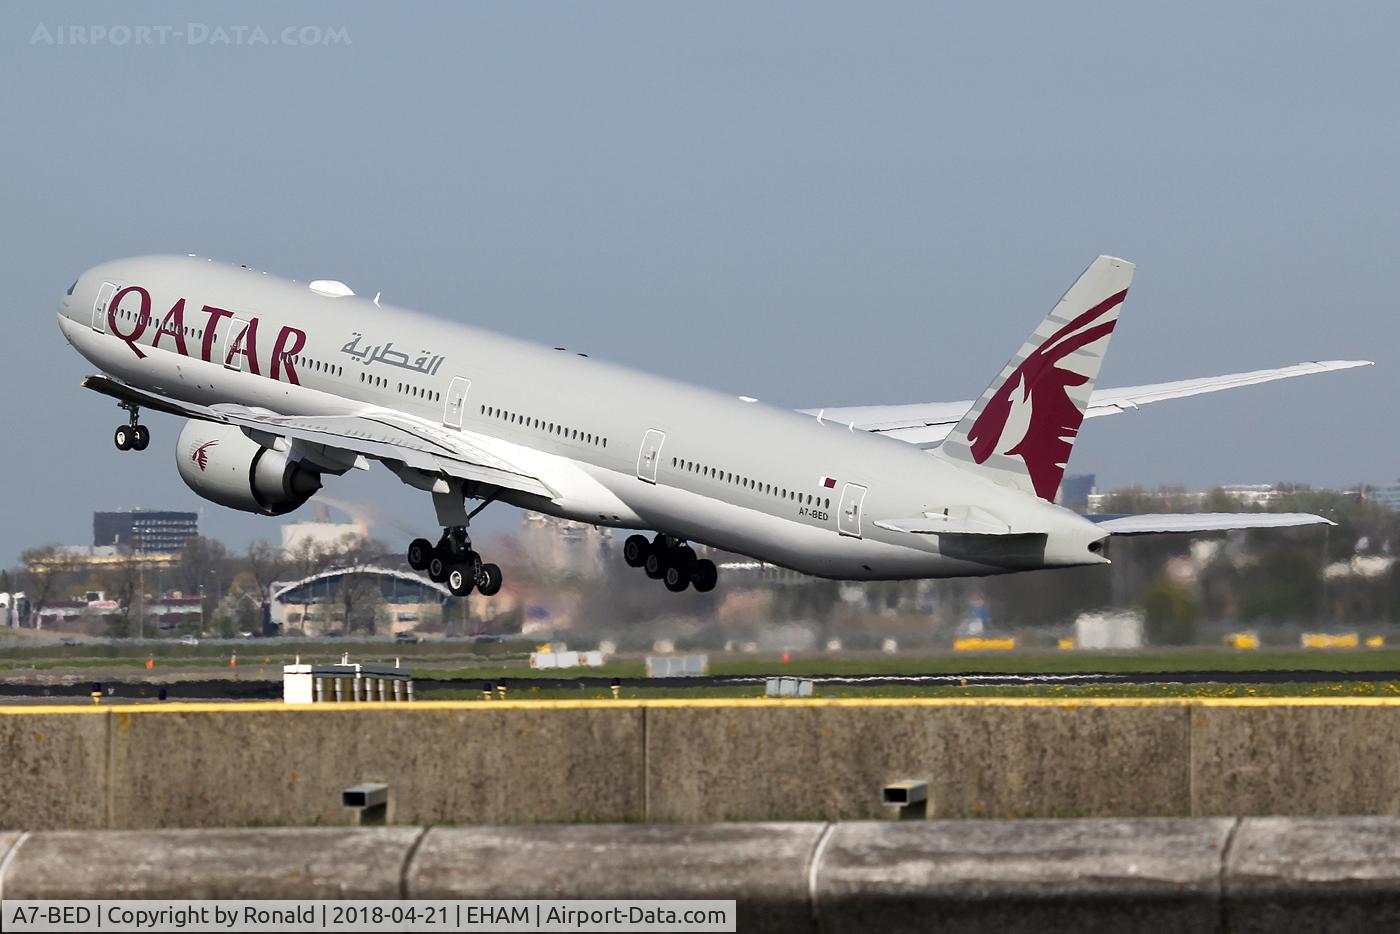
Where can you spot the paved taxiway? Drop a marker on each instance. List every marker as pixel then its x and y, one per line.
pixel 428 688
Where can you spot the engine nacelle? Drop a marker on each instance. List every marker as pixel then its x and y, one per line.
pixel 225 466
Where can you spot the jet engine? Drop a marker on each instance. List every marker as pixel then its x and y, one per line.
pixel 225 466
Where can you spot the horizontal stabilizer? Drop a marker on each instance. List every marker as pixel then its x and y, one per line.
pixel 928 423
pixel 1178 522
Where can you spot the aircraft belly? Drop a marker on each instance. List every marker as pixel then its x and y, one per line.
pixel 807 548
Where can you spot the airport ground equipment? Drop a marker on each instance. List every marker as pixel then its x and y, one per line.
pixel 319 684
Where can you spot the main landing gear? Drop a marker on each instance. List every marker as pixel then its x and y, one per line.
pixel 670 561
pixel 453 562
pixel 133 436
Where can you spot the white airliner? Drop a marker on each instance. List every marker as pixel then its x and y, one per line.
pixel 283 383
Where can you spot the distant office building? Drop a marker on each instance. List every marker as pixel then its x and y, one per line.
pixel 162 613
pixel 1075 490
pixel 96 557
pixel 144 531
pixel 1248 495
pixel 1253 494
pixel 1387 494
pixel 319 532
pixel 563 545
pixel 324 535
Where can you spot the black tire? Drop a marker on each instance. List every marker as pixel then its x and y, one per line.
pixel 635 550
pixel 682 556
pixel 676 580
pixel 490 581
pixel 704 575
pixel 420 550
pixel 439 563
pixel 122 437
pixel 460 580
pixel 655 567
pixel 141 438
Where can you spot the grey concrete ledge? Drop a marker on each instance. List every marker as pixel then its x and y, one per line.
pixel 1147 874
pixel 1029 875
pixel 283 862
pixel 1314 874
pixel 764 866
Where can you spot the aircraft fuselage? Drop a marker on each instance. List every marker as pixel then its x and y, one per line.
pixel 621 447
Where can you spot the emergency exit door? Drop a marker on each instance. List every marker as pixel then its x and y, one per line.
pixel 99 307
pixel 236 337
pixel 456 402
pixel 649 457
pixel 848 517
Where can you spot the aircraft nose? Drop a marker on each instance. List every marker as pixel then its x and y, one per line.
pixel 68 313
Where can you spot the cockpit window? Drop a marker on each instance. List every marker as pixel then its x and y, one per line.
pixel 73 286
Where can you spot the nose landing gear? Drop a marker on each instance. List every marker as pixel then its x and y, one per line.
pixel 670 561
pixel 453 562
pixel 132 436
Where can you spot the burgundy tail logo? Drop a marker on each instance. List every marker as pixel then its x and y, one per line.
pixel 1038 393
pixel 201 455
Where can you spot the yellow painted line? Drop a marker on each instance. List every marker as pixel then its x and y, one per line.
pixel 699 703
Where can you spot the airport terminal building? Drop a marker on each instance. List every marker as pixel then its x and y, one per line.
pixel 342 599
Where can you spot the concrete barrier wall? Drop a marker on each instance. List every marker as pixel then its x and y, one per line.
pixel 830 762
pixel 1143 874
pixel 224 765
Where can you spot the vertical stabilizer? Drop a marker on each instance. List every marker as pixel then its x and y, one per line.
pixel 1021 431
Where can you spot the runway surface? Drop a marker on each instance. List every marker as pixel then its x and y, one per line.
pixel 428 688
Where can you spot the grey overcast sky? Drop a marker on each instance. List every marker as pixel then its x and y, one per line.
pixel 814 204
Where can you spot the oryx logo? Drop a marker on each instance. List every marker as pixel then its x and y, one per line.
pixel 201 455
pixel 1031 415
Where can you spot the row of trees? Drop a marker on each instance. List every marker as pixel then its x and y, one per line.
pixel 1181 584
pixel 1263 577
pixel 234 589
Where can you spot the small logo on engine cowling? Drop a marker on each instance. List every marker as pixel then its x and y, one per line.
pixel 201 455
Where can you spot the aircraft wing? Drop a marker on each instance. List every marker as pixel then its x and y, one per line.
pixel 388 437
pixel 926 424
pixel 341 439
pixel 1150 524
pixel 146 400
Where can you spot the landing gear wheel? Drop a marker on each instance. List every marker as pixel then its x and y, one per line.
pixel 635 550
pixel 489 580
pixel 676 580
pixel 142 438
pixel 655 567
pixel 439 564
pixel 420 551
pixel 704 575
pixel 124 438
pixel 460 580
pixel 682 556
